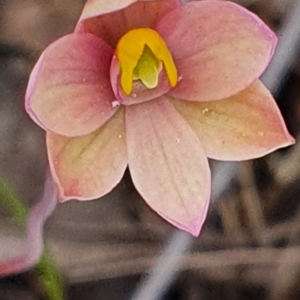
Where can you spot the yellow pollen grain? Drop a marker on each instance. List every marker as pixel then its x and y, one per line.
pixel 207 112
pixel 261 133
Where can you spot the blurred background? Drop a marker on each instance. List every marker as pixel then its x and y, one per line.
pixel 117 248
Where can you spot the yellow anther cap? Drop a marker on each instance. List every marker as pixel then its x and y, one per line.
pixel 140 53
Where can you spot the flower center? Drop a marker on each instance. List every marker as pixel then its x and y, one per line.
pixel 142 53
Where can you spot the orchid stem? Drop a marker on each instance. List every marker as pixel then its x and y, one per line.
pixel 51 279
pixel 12 203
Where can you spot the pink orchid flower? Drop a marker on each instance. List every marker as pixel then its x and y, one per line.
pixel 159 86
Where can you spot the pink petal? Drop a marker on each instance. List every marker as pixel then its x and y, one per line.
pixel 219 48
pixel 69 89
pixel 32 247
pixel 139 93
pixel 90 166
pixel 99 7
pixel 110 27
pixel 245 126
pixel 168 164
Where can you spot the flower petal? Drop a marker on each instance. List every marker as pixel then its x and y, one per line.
pixel 245 126
pixel 110 27
pixel 219 48
pixel 168 164
pixel 100 7
pixel 139 93
pixel 90 166
pixel 32 247
pixel 69 89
